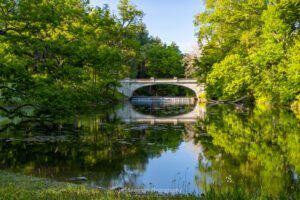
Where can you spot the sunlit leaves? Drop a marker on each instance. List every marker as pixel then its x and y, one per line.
pixel 262 34
pixel 164 62
pixel 61 54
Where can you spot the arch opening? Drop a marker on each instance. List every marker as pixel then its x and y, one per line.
pixel 163 90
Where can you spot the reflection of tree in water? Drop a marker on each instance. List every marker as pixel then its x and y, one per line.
pixel 97 147
pixel 257 150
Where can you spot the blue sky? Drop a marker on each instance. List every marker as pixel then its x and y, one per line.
pixel 170 20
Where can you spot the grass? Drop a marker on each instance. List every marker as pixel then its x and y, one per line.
pixel 19 187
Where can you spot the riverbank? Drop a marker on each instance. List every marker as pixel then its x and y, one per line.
pixel 19 187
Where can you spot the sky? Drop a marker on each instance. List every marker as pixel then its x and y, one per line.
pixel 170 20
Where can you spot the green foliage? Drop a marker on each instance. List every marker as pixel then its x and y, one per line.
pixel 50 53
pixel 58 56
pixel 164 61
pixel 129 15
pixel 250 47
pixel 229 78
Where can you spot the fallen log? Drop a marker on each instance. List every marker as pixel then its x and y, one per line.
pixel 228 101
pixel 241 99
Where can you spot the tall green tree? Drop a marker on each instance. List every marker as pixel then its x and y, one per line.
pixel 57 56
pixel 38 40
pixel 164 61
pixel 246 49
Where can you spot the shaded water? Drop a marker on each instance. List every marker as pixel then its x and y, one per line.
pixel 181 148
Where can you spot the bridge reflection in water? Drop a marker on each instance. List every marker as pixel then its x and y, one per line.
pixel 129 114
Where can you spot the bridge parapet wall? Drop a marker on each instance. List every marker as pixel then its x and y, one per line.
pixel 154 80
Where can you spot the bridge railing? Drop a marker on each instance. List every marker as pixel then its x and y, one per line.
pixel 159 80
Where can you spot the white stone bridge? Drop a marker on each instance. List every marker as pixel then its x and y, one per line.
pixel 128 86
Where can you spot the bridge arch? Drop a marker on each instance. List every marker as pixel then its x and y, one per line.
pixel 128 86
pixel 155 84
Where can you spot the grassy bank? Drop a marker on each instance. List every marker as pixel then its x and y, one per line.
pixel 19 187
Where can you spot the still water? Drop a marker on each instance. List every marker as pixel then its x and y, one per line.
pixel 165 146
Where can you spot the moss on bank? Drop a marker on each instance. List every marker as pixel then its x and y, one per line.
pixel 19 187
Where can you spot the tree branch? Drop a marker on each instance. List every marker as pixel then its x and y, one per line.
pixel 5 87
pixel 4 31
pixel 4 109
pixel 17 108
pixel 14 90
pixel 241 99
pixel 23 106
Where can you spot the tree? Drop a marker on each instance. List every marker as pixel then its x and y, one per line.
pixel 189 61
pixel 57 56
pixel 260 34
pixel 164 61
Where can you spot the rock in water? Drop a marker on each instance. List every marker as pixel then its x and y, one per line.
pixel 79 179
pixel 117 188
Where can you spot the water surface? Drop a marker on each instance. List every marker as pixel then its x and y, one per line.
pixel 178 148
